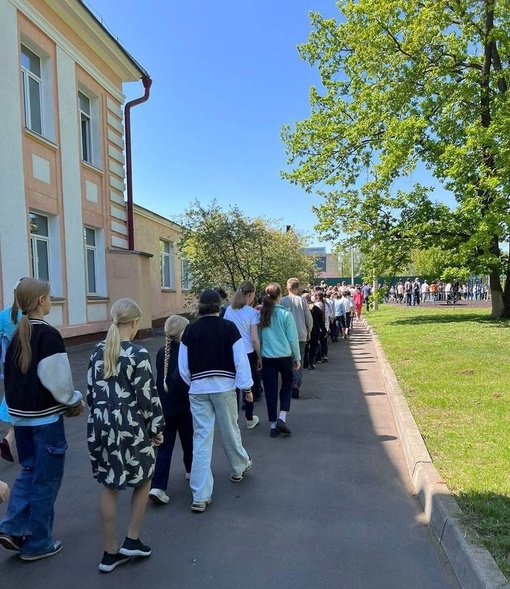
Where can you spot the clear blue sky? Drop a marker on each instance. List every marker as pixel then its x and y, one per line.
pixel 226 77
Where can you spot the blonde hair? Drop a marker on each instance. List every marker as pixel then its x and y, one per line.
pixel 292 284
pixel 174 326
pixel 123 312
pixel 238 300
pixel 14 307
pixel 28 292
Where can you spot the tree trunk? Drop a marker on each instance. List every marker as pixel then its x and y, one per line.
pixel 499 309
pixel 506 296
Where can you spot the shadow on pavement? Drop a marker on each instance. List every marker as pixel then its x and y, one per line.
pixel 329 507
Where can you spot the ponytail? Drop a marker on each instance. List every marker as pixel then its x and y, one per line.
pixel 272 294
pixel 174 327
pixel 166 360
pixel 112 349
pixel 123 312
pixel 28 291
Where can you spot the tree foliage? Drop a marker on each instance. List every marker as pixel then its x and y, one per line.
pixel 408 82
pixel 224 248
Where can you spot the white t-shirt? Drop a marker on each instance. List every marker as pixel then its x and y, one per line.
pixel 244 318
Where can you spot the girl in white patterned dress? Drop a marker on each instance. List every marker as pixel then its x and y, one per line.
pixel 125 425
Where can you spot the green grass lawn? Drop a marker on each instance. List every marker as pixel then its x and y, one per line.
pixel 454 368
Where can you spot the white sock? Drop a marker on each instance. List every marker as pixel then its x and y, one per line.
pixel 273 425
pixel 283 415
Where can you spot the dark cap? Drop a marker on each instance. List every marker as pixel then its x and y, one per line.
pixel 210 297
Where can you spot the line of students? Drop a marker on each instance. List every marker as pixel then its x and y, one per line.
pixel 130 416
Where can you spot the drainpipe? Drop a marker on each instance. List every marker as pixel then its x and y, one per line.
pixel 146 81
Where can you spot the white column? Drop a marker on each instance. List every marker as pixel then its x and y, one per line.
pixel 69 142
pixel 14 254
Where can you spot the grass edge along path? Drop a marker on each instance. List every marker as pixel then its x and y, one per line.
pixel 453 365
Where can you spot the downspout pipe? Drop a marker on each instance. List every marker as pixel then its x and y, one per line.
pixel 147 82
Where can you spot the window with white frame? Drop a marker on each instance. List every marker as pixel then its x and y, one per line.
pixel 45 249
pixel 89 237
pixel 88 106
pixel 85 127
pixel 32 89
pixel 95 263
pixel 166 258
pixel 186 281
pixel 37 90
pixel 40 246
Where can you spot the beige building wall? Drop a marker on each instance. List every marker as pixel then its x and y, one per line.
pixel 44 172
pixel 150 230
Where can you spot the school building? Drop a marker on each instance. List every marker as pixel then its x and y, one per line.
pixel 65 166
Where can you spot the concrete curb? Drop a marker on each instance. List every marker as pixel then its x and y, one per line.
pixel 473 565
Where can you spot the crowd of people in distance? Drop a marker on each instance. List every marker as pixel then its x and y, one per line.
pixel 206 372
pixel 413 292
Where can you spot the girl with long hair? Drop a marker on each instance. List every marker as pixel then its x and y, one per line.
pixel 280 353
pixel 39 392
pixel 124 426
pixel 246 318
pixel 173 394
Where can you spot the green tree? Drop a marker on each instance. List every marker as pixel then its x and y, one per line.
pixel 349 259
pixel 224 248
pixel 430 262
pixel 408 82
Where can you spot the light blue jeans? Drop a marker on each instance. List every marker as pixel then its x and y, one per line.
pixel 205 409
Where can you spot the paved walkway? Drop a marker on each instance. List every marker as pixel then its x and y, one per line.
pixel 330 507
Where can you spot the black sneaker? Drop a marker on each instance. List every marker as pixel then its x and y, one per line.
pixel 135 548
pixel 274 432
pixel 110 561
pixel 282 427
pixel 11 542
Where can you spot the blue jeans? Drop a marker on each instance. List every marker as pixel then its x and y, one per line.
pixel 30 513
pixel 205 409
pixel 271 369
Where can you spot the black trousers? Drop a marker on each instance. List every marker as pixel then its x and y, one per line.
pixel 178 424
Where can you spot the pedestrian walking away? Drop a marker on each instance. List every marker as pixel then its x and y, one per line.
pixel 304 323
pixel 312 345
pixel 213 362
pixel 279 347
pixel 357 297
pixel 173 394
pixel 246 319
pixel 124 426
pixel 39 392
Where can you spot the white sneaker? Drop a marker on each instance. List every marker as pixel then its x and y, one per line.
pixel 159 496
pixel 250 424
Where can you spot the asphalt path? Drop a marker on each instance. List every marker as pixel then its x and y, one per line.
pixel 329 507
